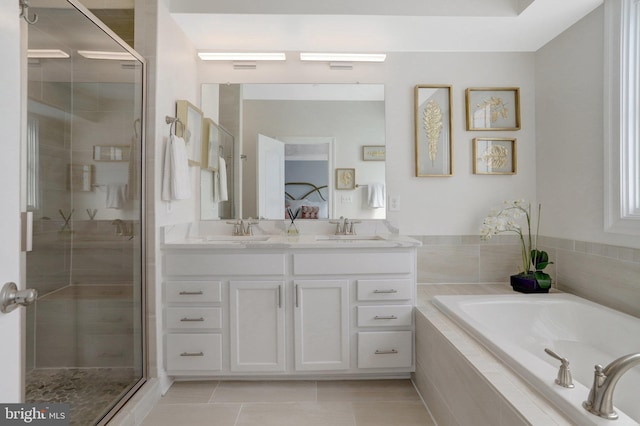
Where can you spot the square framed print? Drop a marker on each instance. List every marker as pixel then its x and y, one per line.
pixel 495 156
pixel 433 130
pixel 345 178
pixel 493 108
pixel 374 153
pixel 191 130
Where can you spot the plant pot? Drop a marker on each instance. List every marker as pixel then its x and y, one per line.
pixel 526 283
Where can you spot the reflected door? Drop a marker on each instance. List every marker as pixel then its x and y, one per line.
pixel 270 180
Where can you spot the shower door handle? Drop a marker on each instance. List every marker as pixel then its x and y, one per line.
pixel 11 297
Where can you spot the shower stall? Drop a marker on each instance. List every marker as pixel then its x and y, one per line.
pixel 85 341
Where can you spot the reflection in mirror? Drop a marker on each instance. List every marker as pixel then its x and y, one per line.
pixel 350 116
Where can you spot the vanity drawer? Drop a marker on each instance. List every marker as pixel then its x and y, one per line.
pixel 385 349
pixel 352 263
pixel 398 289
pixel 194 352
pixel 193 318
pixel 193 291
pixel 385 316
pixel 198 263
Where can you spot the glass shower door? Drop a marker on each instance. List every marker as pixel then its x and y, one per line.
pixel 85 342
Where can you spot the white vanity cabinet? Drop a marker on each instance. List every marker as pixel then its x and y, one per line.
pixel 321 322
pixel 257 328
pixel 289 311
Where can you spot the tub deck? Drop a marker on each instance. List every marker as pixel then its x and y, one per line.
pixel 487 392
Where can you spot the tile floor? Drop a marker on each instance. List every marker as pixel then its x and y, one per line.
pixel 291 403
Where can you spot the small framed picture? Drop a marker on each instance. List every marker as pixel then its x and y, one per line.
pixel 433 130
pixel 493 108
pixel 374 153
pixel 191 130
pixel 345 178
pixel 494 156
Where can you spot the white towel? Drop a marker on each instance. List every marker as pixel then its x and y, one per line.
pixel 220 192
pixel 116 195
pixel 375 196
pixel 176 184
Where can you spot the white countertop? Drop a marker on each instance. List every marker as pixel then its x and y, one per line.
pixel 307 241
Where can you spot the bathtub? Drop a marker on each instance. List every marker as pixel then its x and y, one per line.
pixel 517 328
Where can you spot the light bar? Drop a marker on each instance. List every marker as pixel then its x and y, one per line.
pixel 230 56
pixel 47 53
pixel 343 57
pixel 100 54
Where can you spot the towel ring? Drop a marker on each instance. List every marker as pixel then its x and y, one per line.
pixel 173 126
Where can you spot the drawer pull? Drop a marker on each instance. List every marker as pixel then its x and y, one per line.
pixel 386 291
pixel 385 317
pixel 392 351
pixel 190 293
pixel 192 319
pixel 192 354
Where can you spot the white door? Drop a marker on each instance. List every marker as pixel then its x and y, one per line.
pixel 257 325
pixel 11 324
pixel 270 182
pixel 321 325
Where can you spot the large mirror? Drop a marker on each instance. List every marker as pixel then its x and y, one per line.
pixel 316 148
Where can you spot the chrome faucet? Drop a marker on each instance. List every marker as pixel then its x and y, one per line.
pixel 600 401
pixel 239 228
pixel 345 226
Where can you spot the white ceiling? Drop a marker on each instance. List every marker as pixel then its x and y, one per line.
pixel 377 25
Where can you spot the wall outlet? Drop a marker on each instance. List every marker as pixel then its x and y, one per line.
pixel 347 199
pixel 394 203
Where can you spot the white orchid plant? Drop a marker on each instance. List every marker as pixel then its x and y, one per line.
pixel 504 219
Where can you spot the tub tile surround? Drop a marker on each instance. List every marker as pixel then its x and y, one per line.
pixel 605 274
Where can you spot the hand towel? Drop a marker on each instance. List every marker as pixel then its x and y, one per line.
pixel 375 196
pixel 220 191
pixel 116 195
pixel 176 184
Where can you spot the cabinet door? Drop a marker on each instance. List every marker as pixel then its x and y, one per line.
pixel 257 325
pixel 321 325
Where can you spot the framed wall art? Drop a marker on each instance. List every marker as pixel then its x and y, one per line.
pixel 433 130
pixel 210 145
pixel 191 131
pixel 494 156
pixel 374 153
pixel 345 178
pixel 493 108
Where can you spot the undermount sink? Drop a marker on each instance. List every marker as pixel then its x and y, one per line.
pixel 349 238
pixel 238 238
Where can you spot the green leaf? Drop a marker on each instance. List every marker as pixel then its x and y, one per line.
pixel 540 259
pixel 543 279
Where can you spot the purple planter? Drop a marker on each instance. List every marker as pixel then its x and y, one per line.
pixel 526 284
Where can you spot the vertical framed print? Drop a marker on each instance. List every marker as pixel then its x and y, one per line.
pixel 210 145
pixel 433 130
pixel 191 130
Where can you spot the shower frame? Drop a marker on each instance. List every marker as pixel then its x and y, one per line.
pixel 143 190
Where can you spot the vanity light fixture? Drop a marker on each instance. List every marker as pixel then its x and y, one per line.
pixel 100 54
pixel 231 56
pixel 343 57
pixel 47 54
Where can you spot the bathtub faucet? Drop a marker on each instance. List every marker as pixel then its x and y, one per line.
pixel 600 401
